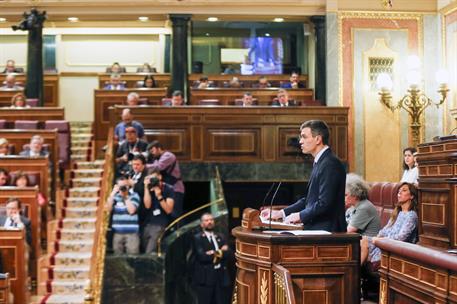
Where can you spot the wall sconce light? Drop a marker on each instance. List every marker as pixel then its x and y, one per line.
pixel 414 101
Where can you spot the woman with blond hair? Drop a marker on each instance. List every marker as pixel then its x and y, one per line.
pixel 19 101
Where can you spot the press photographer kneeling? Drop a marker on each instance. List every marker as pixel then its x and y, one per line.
pixel 158 201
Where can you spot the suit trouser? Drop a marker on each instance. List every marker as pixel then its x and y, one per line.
pixel 149 238
pixel 212 294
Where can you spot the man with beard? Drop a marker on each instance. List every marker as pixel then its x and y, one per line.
pixel 210 276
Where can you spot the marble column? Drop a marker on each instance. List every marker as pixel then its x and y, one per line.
pixel 179 60
pixel 321 52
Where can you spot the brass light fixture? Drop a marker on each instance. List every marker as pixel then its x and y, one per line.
pixel 414 102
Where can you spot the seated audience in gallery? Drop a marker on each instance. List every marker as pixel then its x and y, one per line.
pixel 146 68
pixel 15 220
pixel 10 84
pixel 203 83
pixel 115 68
pixel 282 100
pixel 247 100
pixel 262 83
pixel 11 67
pixel 35 148
pixel 123 203
pixel 4 177
pixel 133 99
pixel 115 83
pixel 4 147
pixel 19 101
pixel 410 173
pixel 130 147
pixel 234 83
pixel 402 225
pixel 361 215
pixel 149 82
pixel 294 82
pixel 159 203
pixel 21 180
pixel 127 121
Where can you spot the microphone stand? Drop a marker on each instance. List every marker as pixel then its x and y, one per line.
pixel 271 203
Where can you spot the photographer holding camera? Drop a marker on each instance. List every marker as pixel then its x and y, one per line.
pixel 128 149
pixel 168 165
pixel 159 202
pixel 124 203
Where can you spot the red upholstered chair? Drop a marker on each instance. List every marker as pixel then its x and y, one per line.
pixel 26 124
pixel 2 124
pixel 33 102
pixel 143 101
pixel 11 149
pixel 374 194
pixel 209 102
pixel 63 129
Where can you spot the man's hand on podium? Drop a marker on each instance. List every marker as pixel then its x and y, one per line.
pixel 275 214
pixel 293 218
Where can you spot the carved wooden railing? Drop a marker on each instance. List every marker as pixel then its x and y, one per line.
pixel 95 284
pixel 283 289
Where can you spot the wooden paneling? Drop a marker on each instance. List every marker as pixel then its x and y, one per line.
pixel 323 269
pixel 235 134
pixel 4 290
pixel 14 253
pixel 227 96
pixel 28 198
pixel 247 80
pixel 40 114
pixel 131 79
pixel 51 90
pixel 103 99
pixel 21 137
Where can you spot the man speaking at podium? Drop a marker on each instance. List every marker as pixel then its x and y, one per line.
pixel 323 206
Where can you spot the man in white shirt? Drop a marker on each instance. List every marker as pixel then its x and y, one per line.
pixel 14 219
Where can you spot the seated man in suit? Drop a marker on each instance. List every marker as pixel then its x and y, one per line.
pixel 210 275
pixel 294 82
pixel 262 83
pixel 247 99
pixel 36 147
pixel 283 100
pixel 10 83
pixel 177 99
pixel 14 219
pixel 323 206
pixel 127 121
pixel 11 67
pixel 115 83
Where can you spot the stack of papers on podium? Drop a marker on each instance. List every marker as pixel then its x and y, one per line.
pixel 277 223
pixel 299 232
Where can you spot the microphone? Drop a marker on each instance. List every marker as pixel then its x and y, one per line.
pixel 268 193
pixel 271 203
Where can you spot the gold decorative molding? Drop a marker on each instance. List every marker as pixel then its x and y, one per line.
pixel 264 289
pixel 383 292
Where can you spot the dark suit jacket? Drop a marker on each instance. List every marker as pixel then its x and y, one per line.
pixel 203 268
pixel 292 103
pixel 27 153
pixel 323 206
pixel 27 226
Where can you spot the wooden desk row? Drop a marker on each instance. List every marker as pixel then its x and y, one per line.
pixel 131 79
pixel 264 96
pixel 51 89
pixel 233 134
pixel 248 80
pixel 38 113
pixel 14 251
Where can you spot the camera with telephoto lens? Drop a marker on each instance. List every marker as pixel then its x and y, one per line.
pixel 123 188
pixel 153 182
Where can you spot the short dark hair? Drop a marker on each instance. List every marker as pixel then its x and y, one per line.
pixel 4 171
pixel 139 157
pixel 121 178
pixel 154 144
pixel 412 150
pixel 204 78
pixel 206 213
pixel 177 93
pixel 318 127
pixel 14 199
pixel 247 94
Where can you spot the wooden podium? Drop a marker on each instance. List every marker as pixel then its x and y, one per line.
pixel 277 268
